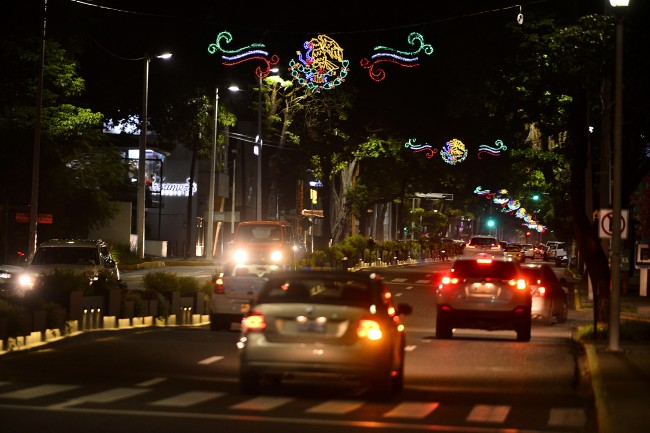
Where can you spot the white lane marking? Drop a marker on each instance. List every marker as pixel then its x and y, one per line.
pixel 423 281
pixel 108 396
pixel 210 360
pixel 336 406
pixel 410 348
pixel 408 287
pixel 37 391
pixel 574 417
pixel 154 381
pixel 488 413
pixel 412 410
pixel 398 280
pixel 261 403
pixel 187 399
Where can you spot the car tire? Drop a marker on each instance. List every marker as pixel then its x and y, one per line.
pixel 524 330
pixel 564 313
pixel 444 331
pixel 249 382
pixel 547 319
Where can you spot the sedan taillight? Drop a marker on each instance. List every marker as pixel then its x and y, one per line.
pixel 253 322
pixel 369 329
pixel 218 286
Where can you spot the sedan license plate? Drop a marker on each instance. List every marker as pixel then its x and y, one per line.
pixel 310 326
pixel 482 289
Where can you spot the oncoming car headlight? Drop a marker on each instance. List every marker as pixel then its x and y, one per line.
pixel 240 256
pixel 276 256
pixel 26 281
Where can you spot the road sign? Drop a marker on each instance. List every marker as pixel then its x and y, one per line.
pixel 605 223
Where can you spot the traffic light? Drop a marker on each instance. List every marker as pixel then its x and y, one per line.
pixel 490 223
pixel 527 234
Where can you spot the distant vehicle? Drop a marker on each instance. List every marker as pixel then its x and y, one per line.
pixel 549 295
pixel 484 293
pixel 263 247
pixel 9 280
pixel 529 251
pixel 324 324
pixel 483 244
pixel 552 250
pixel 515 253
pixel 91 257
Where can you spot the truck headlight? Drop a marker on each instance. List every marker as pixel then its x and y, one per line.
pixel 240 256
pixel 276 256
pixel 26 281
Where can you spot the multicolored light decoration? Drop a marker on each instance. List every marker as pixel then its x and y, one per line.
pixel 322 67
pixel 406 59
pixel 492 151
pixel 510 206
pixel 428 150
pixel 240 55
pixel 454 152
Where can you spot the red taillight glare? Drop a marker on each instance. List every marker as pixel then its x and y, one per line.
pixel 253 322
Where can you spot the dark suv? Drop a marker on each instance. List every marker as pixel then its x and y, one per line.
pixel 484 293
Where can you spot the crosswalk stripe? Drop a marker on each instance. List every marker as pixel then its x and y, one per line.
pixel 111 395
pixel 336 406
pixel 488 413
pixel 261 403
pixel 412 410
pixel 398 280
pixel 575 417
pixel 151 382
pixel 187 399
pixel 37 391
pixel 210 360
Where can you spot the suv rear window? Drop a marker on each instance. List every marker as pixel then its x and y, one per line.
pixel 66 256
pixel 483 241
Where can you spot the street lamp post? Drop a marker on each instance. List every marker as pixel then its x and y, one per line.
pixel 213 164
pixel 615 301
pixel 258 147
pixel 142 157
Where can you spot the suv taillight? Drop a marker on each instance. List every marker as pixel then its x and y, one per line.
pixel 218 286
pixel 369 329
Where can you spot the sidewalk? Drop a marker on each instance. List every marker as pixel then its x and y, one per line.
pixel 620 378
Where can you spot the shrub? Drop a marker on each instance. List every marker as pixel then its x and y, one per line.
pixel 160 281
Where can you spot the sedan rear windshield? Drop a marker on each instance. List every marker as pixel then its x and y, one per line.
pixel 317 290
pixel 492 269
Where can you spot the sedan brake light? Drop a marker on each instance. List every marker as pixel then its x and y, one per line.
pixel 253 322
pixel 218 286
pixel 369 329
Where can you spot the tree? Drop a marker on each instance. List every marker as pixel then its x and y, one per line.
pixel 80 173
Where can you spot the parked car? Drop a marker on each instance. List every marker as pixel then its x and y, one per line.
pixel 515 253
pixel 549 294
pixel 322 324
pixel 483 293
pixel 483 244
pixel 91 257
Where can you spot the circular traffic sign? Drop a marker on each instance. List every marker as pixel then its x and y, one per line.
pixel 606 223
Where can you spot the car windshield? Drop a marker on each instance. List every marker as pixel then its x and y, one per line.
pixel 66 256
pixel 484 269
pixel 483 241
pixel 316 290
pixel 259 233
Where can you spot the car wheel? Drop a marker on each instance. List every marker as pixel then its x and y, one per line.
pixel 524 330
pixel 444 331
pixel 563 316
pixel 249 382
pixel 547 319
pixel 379 387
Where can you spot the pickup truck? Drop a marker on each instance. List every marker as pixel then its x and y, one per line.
pixel 232 296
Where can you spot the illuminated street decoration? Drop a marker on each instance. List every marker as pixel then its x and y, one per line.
pixel 322 67
pixel 492 151
pixel 510 206
pixel 240 55
pixel 453 152
pixel 406 59
pixel 428 150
